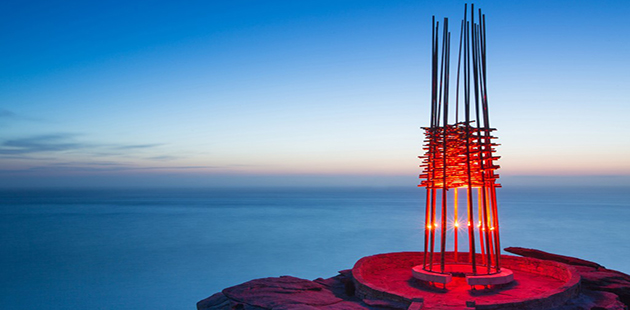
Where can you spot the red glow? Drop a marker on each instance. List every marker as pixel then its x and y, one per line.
pixel 461 156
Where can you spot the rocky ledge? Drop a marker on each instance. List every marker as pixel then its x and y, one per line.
pixel 601 288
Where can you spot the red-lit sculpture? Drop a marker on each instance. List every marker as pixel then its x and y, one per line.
pixel 459 159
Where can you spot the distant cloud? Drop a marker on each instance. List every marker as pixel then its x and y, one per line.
pixel 137 146
pixel 246 165
pixel 92 163
pixel 26 157
pixel 164 157
pixel 41 148
pixel 39 144
pixel 65 154
pixel 100 167
pixel 62 142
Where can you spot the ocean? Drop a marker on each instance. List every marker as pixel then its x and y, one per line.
pixel 169 248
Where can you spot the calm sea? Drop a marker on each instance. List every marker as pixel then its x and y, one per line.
pixel 167 249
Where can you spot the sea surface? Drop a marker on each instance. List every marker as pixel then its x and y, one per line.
pixel 169 248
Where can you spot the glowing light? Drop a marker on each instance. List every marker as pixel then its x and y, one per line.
pixel 453 225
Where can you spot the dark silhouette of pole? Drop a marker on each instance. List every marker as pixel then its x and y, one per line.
pixel 459 61
pixel 427 226
pixel 444 214
pixel 471 218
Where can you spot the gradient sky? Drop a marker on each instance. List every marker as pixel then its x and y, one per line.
pixel 206 93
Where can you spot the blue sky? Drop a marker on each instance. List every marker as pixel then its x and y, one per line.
pixel 212 93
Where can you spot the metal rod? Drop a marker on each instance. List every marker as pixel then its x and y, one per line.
pixel 434 125
pixel 482 155
pixel 455 223
pixel 426 228
pixel 434 73
pixel 475 54
pixel 480 226
pixel 471 223
pixel 444 213
pixel 441 74
pixel 489 230
pixel 493 228
pixel 488 142
pixel 432 227
pixel 495 213
pixel 497 242
pixel 459 60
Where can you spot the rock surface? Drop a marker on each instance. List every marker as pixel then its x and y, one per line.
pixel 288 293
pixel 595 277
pixel 601 289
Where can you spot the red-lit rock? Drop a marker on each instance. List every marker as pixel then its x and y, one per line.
pixel 601 288
pixel 554 257
pixel 595 277
pixel 285 293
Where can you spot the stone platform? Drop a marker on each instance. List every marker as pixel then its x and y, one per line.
pixel 538 284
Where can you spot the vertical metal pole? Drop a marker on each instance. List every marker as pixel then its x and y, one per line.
pixel 441 72
pixel 455 223
pixel 459 60
pixel 445 63
pixel 480 226
pixel 485 153
pixel 431 151
pixel 432 227
pixel 490 229
pixel 497 241
pixel 489 146
pixel 471 222
pixel 495 232
pixel 435 134
pixel 428 224
pixel 426 227
pixel 475 47
pixel 434 76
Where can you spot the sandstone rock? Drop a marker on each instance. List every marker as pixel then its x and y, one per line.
pixel 284 293
pixel 594 276
pixel 219 301
pixel 607 280
pixel 594 300
pixel 554 257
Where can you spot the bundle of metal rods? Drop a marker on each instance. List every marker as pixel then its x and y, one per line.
pixel 460 154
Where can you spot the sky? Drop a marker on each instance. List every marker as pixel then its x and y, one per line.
pixel 298 93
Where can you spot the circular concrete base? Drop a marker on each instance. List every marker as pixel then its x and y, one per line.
pixel 538 284
pixel 504 276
